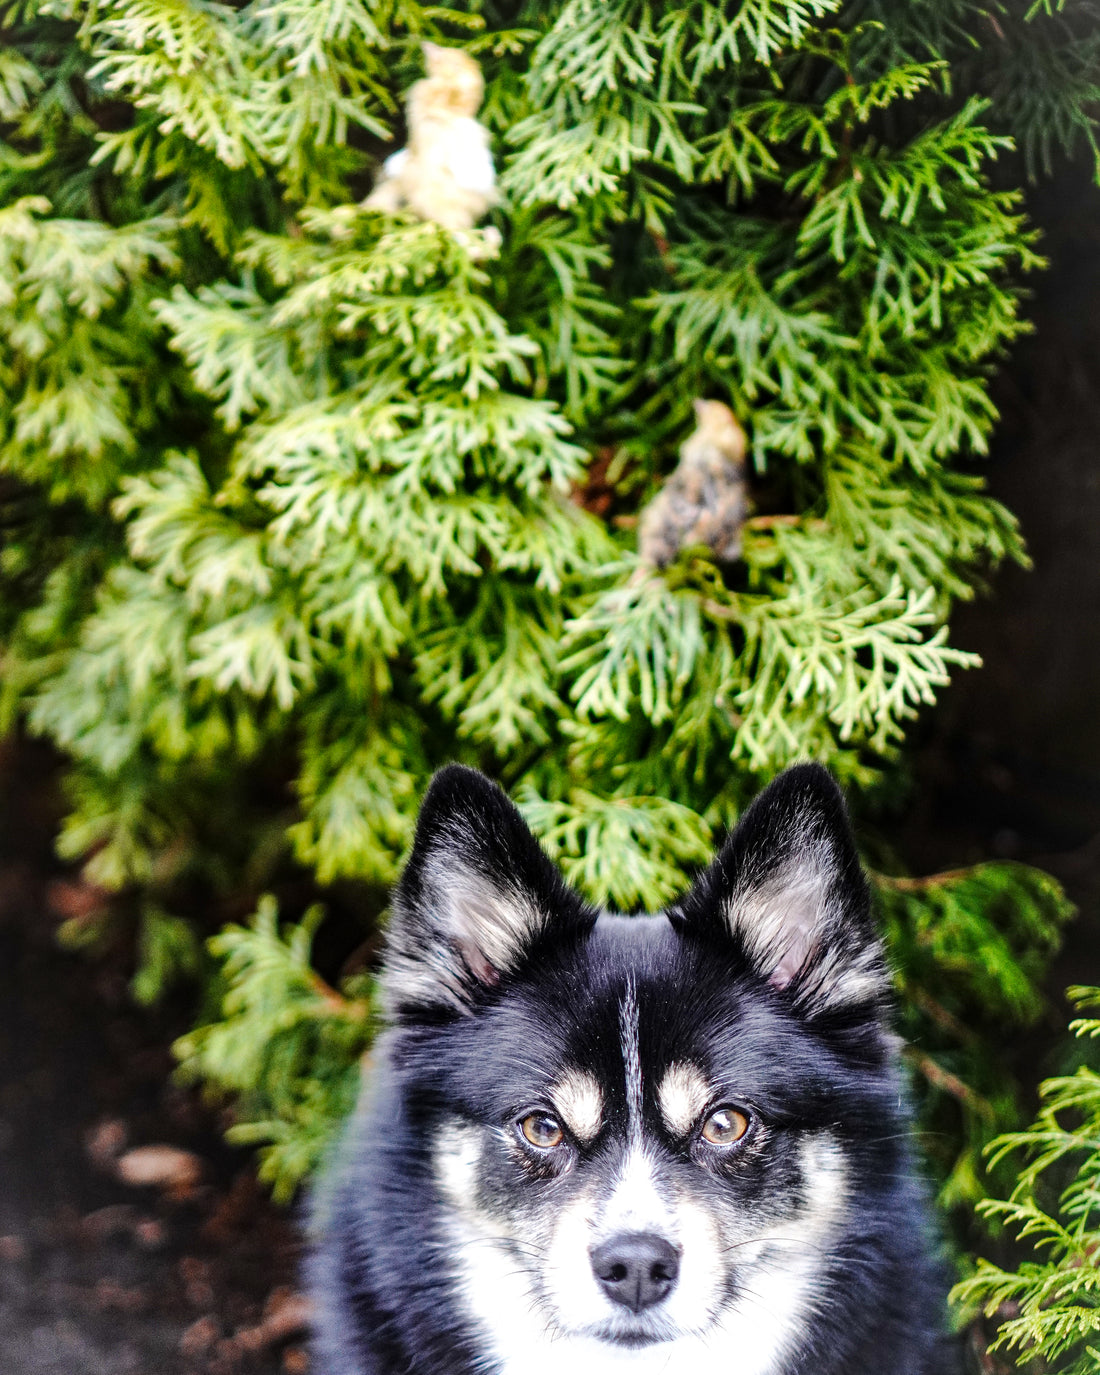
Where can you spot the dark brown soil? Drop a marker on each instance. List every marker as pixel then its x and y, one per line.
pixel 98 1277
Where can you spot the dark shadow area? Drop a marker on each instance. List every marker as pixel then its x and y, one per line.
pixel 1008 765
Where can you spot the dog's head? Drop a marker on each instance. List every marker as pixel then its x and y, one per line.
pixel 643 1129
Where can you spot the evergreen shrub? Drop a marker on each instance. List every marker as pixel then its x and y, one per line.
pixel 302 500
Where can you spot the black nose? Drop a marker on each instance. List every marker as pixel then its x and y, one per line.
pixel 636 1269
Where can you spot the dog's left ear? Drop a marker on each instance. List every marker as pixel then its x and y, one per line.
pixel 788 889
pixel 478 895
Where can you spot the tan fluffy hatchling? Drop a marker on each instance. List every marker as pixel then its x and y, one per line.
pixel 705 500
pixel 445 172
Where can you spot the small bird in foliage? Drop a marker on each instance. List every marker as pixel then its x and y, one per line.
pixel 445 174
pixel 705 501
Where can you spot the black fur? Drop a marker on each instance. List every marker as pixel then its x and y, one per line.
pixel 484 1045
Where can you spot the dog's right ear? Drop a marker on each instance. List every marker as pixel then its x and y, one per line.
pixel 787 892
pixel 477 895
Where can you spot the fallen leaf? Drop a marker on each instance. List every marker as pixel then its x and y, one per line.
pixel 162 1167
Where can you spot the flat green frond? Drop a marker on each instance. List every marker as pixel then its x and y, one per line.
pixel 1049 1307
pixel 288 1046
pixel 632 852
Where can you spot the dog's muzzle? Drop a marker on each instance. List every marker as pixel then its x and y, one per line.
pixel 636 1269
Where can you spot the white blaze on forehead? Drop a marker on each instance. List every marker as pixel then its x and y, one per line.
pixel 632 1060
pixel 637 1202
pixel 579 1098
pixel 682 1095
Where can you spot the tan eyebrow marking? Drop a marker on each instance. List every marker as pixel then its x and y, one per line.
pixel 682 1096
pixel 579 1099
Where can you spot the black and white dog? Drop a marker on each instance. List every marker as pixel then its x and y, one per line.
pixel 654 1145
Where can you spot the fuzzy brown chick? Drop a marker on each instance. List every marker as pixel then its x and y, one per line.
pixel 705 500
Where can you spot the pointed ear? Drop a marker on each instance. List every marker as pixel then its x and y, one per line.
pixel 787 888
pixel 477 896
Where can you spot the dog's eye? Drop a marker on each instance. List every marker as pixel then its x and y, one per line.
pixel 725 1126
pixel 542 1130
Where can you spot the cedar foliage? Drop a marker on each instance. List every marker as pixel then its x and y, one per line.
pixel 303 500
pixel 1049 1307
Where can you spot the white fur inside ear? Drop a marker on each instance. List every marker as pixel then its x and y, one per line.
pixel 783 920
pixel 466 927
pixel 487 924
pixel 792 926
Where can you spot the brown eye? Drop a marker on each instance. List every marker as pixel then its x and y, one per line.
pixel 542 1130
pixel 725 1127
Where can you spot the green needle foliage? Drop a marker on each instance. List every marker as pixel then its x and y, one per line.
pixel 288 1046
pixel 1049 1307
pixel 302 500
